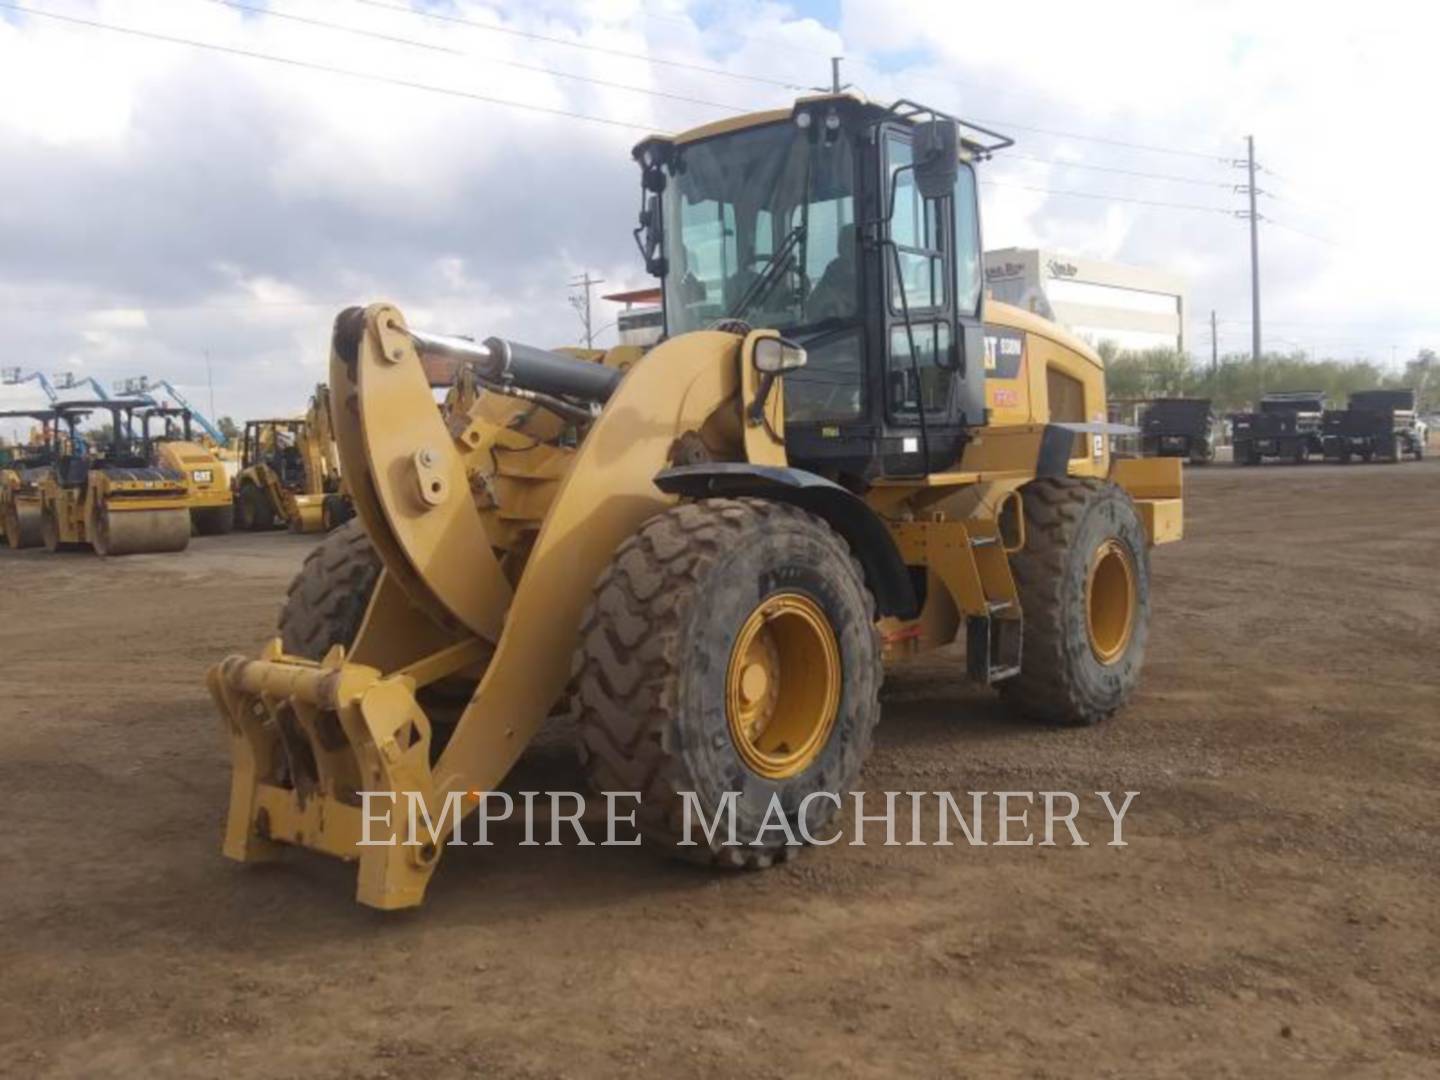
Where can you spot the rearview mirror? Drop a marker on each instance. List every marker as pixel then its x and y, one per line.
pixel 937 157
pixel 649 237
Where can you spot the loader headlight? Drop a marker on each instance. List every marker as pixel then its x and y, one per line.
pixel 773 356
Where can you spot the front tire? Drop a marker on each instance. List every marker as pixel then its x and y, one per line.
pixel 730 647
pixel 254 511
pixel 326 601
pixel 1084 584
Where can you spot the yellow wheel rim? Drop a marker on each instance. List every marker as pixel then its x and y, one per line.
pixel 1110 600
pixel 782 686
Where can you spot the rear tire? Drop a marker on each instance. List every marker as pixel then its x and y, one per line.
pixel 213 520
pixel 326 601
pixel 667 702
pixel 335 510
pixel 1084 585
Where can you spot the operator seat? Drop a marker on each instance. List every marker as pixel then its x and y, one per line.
pixel 834 294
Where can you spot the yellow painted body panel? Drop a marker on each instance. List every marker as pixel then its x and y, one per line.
pixel 206 482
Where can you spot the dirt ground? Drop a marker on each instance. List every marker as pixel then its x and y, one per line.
pixel 1274 913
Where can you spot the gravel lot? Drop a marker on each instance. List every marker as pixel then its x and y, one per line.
pixel 1273 914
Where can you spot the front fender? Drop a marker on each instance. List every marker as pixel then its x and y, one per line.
pixel 864 530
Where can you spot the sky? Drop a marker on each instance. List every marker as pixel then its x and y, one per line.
pixel 201 214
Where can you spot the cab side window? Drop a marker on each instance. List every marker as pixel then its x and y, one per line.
pixel 967 243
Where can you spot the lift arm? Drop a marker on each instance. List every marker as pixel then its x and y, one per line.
pixel 66 381
pixel 13 377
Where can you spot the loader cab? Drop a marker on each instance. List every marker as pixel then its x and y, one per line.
pixel 854 231
pixel 276 444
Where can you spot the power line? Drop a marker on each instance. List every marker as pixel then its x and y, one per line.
pixel 288 61
pixel 1151 148
pixel 1107 198
pixel 384 5
pixel 413 43
pixel 1122 172
pixel 388 5
pixel 1302 232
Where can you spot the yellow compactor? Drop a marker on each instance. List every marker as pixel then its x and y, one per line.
pixel 290 473
pixel 108 495
pixel 840 453
pixel 23 469
pixel 170 445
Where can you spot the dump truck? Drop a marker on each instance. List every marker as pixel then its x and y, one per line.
pixel 1178 427
pixel 1286 426
pixel 1374 425
pixel 841 453
pixel 23 468
pixel 170 445
pixel 107 494
pixel 290 473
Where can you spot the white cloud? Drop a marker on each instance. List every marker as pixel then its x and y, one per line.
pixel 161 203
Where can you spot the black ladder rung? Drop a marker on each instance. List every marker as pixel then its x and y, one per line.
pixel 992 606
pixel 984 541
pixel 1001 673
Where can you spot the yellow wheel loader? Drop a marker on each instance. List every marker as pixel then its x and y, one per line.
pixel 840 453
pixel 171 446
pixel 109 496
pixel 290 474
pixel 25 467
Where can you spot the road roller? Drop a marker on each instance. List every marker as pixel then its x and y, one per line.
pixel 170 444
pixel 106 494
pixel 26 466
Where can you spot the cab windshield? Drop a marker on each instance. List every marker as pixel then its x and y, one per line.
pixel 760 225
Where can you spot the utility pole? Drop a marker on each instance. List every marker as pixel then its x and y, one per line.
pixel 835 74
pixel 581 304
pixel 1254 253
pixel 1214 346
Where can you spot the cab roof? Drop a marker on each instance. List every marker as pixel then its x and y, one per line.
pixel 903 110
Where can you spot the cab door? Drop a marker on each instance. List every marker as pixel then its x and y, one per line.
pixel 932 329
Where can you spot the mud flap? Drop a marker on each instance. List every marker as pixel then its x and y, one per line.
pixel 306 739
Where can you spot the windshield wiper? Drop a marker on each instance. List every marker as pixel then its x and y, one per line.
pixel 770 273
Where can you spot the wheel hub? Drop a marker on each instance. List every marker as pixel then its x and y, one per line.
pixel 1110 599
pixel 782 685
